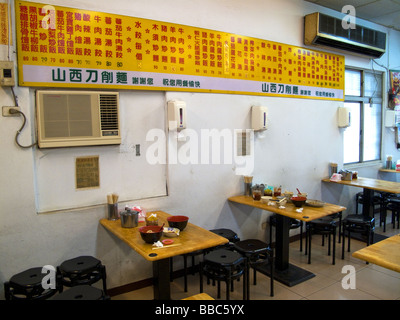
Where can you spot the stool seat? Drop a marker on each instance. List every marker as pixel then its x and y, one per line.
pixel 83 292
pixel 27 285
pixel 83 270
pixel 360 224
pixel 224 265
pixel 355 222
pixel 226 233
pixel 79 264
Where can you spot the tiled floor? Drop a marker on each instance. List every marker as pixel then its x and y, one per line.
pixel 372 282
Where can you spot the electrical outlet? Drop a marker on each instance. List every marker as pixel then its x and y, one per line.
pixel 6 111
pixel 7 73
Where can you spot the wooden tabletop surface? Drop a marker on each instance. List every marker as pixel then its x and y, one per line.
pixel 385 253
pixel 368 183
pixel 308 213
pixel 192 238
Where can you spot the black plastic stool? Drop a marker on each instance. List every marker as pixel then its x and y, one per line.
pixel 224 265
pixel 359 224
pixel 257 252
pixel 82 270
pixel 27 285
pixel 323 226
pixel 228 234
pixel 83 292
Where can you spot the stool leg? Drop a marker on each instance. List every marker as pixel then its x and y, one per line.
pixel 171 269
pixel 301 236
pixel 201 277
pixel 334 245
pixel 348 241
pixel 185 271
pixel 246 281
pixel 104 277
pixel 309 244
pixel 343 240
pixel 7 290
pixel 272 277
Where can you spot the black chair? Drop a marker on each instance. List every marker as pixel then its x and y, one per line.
pixel 324 226
pixel 27 285
pixel 294 224
pixel 393 204
pixel 224 265
pixel 82 270
pixel 358 223
pixel 257 252
pixel 82 292
pixel 379 199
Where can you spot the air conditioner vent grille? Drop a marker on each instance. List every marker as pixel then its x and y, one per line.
pixel 321 29
pixel 360 34
pixel 109 112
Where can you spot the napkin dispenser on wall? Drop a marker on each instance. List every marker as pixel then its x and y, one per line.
pixel 176 115
pixel 259 118
pixel 344 117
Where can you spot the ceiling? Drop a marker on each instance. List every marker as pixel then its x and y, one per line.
pixel 384 12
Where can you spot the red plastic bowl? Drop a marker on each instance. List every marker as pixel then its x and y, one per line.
pixel 298 201
pixel 151 237
pixel 179 222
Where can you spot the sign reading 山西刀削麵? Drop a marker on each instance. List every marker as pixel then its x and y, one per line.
pixel 67 47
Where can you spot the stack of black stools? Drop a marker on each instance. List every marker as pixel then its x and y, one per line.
pixel 27 285
pixel 226 233
pixel 234 261
pixel 224 265
pixel 77 273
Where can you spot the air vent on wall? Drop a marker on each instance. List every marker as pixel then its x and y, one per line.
pixel 77 118
pixel 324 30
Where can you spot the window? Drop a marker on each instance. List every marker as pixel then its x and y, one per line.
pixel 363 96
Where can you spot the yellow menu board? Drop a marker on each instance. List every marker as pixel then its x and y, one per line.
pixel 67 47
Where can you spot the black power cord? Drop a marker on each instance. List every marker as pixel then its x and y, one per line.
pixel 13 111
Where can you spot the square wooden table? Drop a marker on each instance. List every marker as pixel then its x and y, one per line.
pixel 191 239
pixel 285 272
pixel 385 253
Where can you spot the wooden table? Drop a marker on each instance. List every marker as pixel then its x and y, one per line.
pixel 385 253
pixel 285 272
pixel 369 186
pixel 192 238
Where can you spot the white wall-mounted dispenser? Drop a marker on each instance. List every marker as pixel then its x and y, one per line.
pixel 259 118
pixel 344 117
pixel 390 119
pixel 176 115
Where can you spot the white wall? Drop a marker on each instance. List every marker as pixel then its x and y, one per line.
pixel 295 151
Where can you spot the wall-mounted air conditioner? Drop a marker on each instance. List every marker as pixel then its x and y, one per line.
pixel 77 118
pixel 324 30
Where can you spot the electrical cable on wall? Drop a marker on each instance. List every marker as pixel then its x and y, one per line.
pixel 13 111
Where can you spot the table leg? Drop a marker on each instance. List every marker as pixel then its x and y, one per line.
pixel 368 208
pixel 284 272
pixel 161 276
